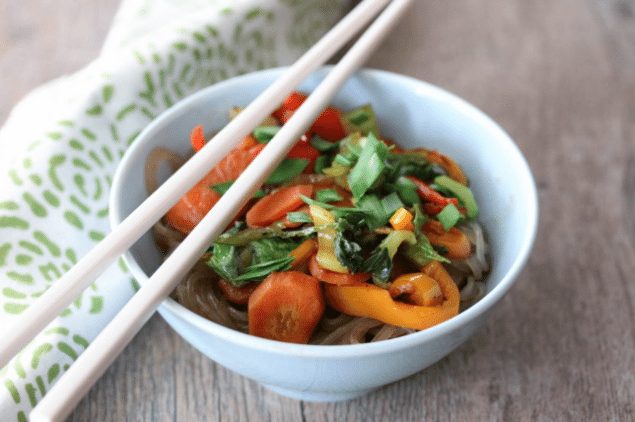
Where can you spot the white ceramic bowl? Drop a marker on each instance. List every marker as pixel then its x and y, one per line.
pixel 411 112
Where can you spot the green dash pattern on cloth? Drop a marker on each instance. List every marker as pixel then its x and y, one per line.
pixel 62 143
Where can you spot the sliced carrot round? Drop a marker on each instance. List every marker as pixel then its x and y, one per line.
pixel 193 206
pixel 238 295
pixel 332 277
pixel 276 205
pixel 286 306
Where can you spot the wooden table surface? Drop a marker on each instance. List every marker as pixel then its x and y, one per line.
pixel 560 77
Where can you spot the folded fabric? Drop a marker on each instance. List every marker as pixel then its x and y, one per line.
pixel 62 143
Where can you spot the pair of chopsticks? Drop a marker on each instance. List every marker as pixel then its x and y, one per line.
pixel 93 362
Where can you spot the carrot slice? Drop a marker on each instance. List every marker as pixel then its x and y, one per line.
pixel 402 220
pixel 451 166
pixel 286 306
pixel 248 142
pixel 276 205
pixel 302 253
pixel 238 295
pixel 454 240
pixel 332 277
pixel 193 206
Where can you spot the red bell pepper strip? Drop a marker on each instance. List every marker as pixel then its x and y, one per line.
pixel 303 149
pixel 197 138
pixel 430 195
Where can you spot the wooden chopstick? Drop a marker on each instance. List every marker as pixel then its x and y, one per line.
pixel 72 283
pixel 93 362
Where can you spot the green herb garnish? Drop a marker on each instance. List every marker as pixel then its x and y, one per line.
pixel 264 134
pixel 288 169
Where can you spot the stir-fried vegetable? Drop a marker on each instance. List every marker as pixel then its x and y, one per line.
pixel 286 306
pixel 371 222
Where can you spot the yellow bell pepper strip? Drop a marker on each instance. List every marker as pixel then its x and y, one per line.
pixel 324 223
pixel 416 289
pixel 454 240
pixel 374 302
pixel 402 220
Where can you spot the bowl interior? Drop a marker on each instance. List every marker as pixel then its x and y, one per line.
pixel 410 112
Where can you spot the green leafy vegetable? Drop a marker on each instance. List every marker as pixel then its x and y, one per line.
pixel 391 203
pixel 223 261
pixel 422 252
pixel 335 210
pixel 288 169
pixel 369 166
pixel 260 271
pixel 419 220
pixel 375 214
pixel 223 187
pixel 328 195
pixel 348 252
pixel 406 190
pixel 395 239
pixel 379 264
pixel 322 162
pixel 411 164
pixel 299 217
pixel 244 237
pixel 462 192
pixel 449 216
pixel 265 255
pixel 323 145
pixel 361 119
pixel 264 134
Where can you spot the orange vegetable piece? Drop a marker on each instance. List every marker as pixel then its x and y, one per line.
pixel 416 289
pixel 248 142
pixel 238 295
pixel 454 240
pixel 276 205
pixel 193 206
pixel 370 301
pixel 332 277
pixel 197 138
pixel 402 220
pixel 291 103
pixel 286 306
pixel 448 164
pixel 302 253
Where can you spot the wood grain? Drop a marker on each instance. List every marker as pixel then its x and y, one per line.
pixel 560 77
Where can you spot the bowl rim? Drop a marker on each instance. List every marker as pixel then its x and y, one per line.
pixel 355 350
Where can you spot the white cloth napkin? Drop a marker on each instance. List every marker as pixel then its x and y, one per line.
pixel 62 143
